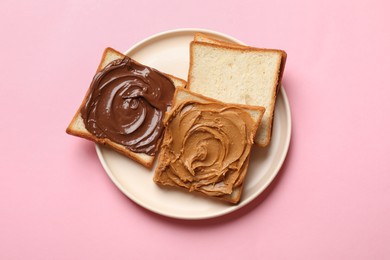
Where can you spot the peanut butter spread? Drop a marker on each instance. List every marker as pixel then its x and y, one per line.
pixel 206 147
pixel 126 103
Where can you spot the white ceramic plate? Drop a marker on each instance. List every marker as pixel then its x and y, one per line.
pixel 169 52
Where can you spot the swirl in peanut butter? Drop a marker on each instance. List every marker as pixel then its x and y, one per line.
pixel 206 147
pixel 126 103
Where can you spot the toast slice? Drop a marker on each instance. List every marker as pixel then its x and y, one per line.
pixel 236 73
pixel 78 128
pixel 206 146
pixel 202 37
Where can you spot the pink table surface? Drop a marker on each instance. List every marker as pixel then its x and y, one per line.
pixel 331 199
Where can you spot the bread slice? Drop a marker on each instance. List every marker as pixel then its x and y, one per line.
pixel 236 73
pixel 198 130
pixel 202 37
pixel 77 126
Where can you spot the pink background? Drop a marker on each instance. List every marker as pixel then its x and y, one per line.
pixel 331 199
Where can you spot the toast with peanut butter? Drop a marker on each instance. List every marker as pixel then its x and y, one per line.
pixel 206 146
pixel 124 107
pixel 236 73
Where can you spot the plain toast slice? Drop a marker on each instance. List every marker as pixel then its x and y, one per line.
pixel 236 73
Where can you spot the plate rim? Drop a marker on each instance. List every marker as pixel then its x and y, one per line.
pixel 231 208
pixel 178 31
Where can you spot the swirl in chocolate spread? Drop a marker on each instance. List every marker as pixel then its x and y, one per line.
pixel 126 103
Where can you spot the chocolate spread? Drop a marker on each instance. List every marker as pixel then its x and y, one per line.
pixel 206 147
pixel 126 104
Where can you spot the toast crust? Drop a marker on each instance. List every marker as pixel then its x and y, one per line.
pixel 204 99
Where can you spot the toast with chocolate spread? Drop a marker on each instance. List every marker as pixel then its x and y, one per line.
pixel 206 146
pixel 124 107
pixel 236 73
